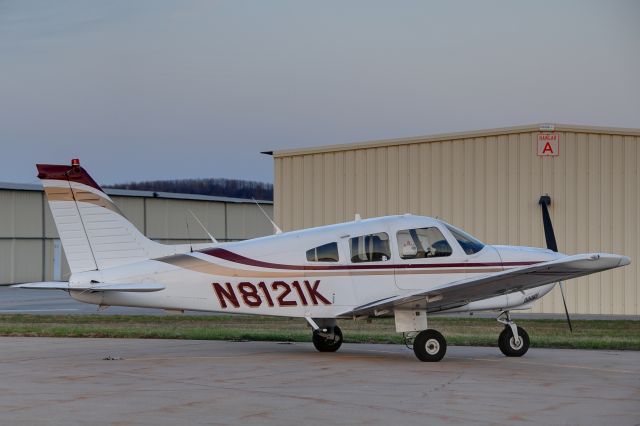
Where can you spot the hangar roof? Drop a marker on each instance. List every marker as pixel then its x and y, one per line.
pixel 144 194
pixel 457 135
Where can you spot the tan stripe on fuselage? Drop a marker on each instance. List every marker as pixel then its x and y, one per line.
pixel 198 265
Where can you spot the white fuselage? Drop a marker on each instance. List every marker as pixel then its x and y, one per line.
pixel 275 275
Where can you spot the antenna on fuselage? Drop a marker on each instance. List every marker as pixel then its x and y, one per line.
pixel 203 228
pixel 276 228
pixel 186 221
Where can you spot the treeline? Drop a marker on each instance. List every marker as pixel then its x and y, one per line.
pixel 214 186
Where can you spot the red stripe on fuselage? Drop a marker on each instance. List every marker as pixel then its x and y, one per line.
pixel 236 258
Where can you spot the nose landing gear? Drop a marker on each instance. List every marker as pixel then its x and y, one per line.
pixel 513 340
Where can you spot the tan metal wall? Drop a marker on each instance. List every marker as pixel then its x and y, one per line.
pixel 28 233
pixel 488 184
pixel 21 231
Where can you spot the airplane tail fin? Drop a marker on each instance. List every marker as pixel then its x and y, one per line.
pixel 93 231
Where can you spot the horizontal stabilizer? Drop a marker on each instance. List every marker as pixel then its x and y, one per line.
pixel 93 287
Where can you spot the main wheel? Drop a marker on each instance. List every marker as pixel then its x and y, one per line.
pixel 508 344
pixel 328 344
pixel 429 346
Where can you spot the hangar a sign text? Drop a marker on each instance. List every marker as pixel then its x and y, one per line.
pixel 548 144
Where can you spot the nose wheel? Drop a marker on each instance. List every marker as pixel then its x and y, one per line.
pixel 513 340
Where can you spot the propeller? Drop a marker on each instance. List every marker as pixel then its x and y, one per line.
pixel 550 237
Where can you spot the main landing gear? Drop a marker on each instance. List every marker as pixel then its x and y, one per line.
pixel 513 340
pixel 429 346
pixel 328 338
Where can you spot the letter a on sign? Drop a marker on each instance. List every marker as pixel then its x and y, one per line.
pixel 548 144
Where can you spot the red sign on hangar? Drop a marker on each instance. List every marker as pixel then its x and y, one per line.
pixel 548 144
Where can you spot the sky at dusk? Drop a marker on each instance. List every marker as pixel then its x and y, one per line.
pixel 157 89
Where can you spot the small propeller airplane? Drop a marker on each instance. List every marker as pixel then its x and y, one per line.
pixel 409 267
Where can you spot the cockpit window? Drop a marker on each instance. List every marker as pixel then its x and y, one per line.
pixel 323 253
pixel 422 242
pixel 370 248
pixel 469 244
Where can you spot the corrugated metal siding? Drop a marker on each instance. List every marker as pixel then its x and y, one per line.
pixel 246 221
pixel 168 219
pixel 490 186
pixel 133 208
pixel 20 260
pixel 28 232
pixel 21 214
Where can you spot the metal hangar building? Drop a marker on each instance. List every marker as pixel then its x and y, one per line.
pixel 488 182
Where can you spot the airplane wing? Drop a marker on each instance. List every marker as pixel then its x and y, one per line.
pixel 461 292
pixel 93 287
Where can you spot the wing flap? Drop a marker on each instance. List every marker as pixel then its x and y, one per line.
pixel 461 292
pixel 93 287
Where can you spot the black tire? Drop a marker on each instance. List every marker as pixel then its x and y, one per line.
pixel 507 343
pixel 324 344
pixel 429 346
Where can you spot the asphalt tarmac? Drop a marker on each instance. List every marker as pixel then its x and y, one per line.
pixel 111 381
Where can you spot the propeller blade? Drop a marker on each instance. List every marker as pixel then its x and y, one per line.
pixel 549 234
pixel 566 311
pixel 550 237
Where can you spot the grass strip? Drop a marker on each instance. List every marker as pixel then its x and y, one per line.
pixel 588 334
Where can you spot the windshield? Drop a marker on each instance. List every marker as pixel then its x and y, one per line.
pixel 469 244
pixel 419 243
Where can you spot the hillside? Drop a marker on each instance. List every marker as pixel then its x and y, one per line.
pixel 213 186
